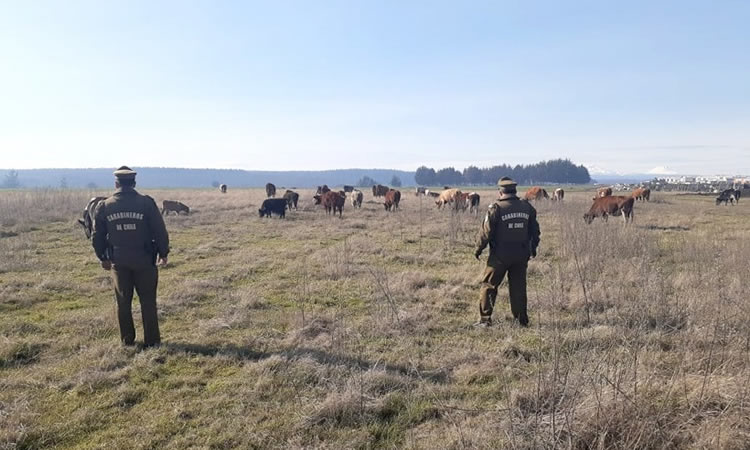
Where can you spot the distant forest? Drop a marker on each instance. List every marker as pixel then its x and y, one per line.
pixel 558 171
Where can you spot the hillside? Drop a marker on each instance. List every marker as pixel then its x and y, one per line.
pixel 162 177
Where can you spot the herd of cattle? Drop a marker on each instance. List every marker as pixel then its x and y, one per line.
pixel 605 204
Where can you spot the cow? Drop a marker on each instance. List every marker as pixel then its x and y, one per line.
pixel 448 196
pixel 462 201
pixel 273 205
pixel 611 206
pixel 270 190
pixel 642 194
pixel 604 192
pixel 223 188
pixel 322 190
pixel 558 195
pixel 331 201
pixel 536 193
pixel 87 222
pixel 432 194
pixel 728 195
pixel 474 202
pixel 357 197
pixel 392 199
pixel 348 188
pixel 378 190
pixel 291 198
pixel 420 191
pixel 168 206
pixel 445 188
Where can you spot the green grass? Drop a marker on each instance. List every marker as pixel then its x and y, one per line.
pixel 355 333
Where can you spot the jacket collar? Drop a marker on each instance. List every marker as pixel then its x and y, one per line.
pixel 507 197
pixel 125 190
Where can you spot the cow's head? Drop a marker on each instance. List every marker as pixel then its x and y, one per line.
pixel 588 217
pixel 316 199
pixel 261 212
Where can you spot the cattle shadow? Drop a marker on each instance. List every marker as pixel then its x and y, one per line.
pixel 245 353
pixel 666 227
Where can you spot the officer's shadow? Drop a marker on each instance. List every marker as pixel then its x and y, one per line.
pixel 245 353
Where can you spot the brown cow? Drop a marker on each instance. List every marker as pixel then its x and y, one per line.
pixel 462 201
pixel 611 206
pixel 270 190
pixel 331 201
pixel 291 198
pixel 536 193
pixel 642 194
pixel 168 206
pixel 379 190
pixel 392 199
pixel 448 196
pixel 558 195
pixel 604 192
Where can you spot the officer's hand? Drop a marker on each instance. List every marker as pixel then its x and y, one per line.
pixel 106 265
pixel 477 254
pixel 162 261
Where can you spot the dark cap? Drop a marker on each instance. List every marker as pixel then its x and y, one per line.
pixel 506 181
pixel 124 173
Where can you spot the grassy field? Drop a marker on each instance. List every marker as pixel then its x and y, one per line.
pixel 319 332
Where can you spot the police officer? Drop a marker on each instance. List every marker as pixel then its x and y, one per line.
pixel 511 230
pixel 128 235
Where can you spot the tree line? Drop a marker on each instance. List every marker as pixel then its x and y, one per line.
pixel 557 171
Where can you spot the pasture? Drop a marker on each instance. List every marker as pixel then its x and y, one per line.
pixel 320 332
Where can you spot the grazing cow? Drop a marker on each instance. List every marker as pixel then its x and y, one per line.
pixel 379 190
pixel 322 190
pixel 357 197
pixel 611 206
pixel 392 199
pixel 445 188
pixel 223 188
pixel 331 201
pixel 558 195
pixel 273 205
pixel 87 222
pixel 270 190
pixel 462 201
pixel 168 206
pixel 536 193
pixel 604 192
pixel 420 191
pixel 432 193
pixel 642 194
pixel 449 196
pixel 348 188
pixel 474 202
pixel 728 195
pixel 291 198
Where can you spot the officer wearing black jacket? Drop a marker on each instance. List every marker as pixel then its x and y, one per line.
pixel 512 232
pixel 129 234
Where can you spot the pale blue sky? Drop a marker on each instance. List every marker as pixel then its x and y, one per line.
pixel 316 85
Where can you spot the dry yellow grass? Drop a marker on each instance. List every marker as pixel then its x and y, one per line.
pixel 354 333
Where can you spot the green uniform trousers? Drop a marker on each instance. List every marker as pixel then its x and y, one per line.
pixel 144 280
pixel 493 276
